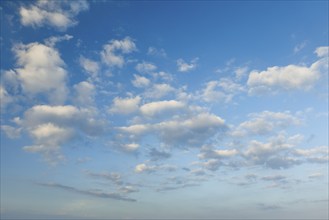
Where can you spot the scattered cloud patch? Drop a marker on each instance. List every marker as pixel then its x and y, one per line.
pixel 57 14
pixel 186 67
pixel 112 53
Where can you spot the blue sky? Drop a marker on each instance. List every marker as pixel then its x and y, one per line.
pixel 164 109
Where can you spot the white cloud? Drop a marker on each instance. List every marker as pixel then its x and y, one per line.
pixel 193 131
pixel 90 66
pixel 5 98
pixel 143 168
pixel 57 14
pixel 291 77
pixel 241 72
pixel 159 90
pixel 145 67
pixel 222 90
pixel 275 154
pixel 322 51
pixel 130 147
pixel 41 71
pixel 140 81
pixel 216 153
pixel 125 105
pixel 53 126
pixel 155 108
pixel 85 92
pixel 287 77
pixel 52 41
pixel 186 67
pixel 112 52
pixel 265 123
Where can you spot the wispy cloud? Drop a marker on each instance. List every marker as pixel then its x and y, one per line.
pixel 94 193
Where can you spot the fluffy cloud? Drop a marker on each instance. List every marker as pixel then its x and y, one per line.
pixel 222 90
pixel 41 71
pixel 140 81
pixel 91 67
pixel 159 90
pixel 264 123
pixel 186 67
pixel 322 51
pixel 193 131
pixel 275 154
pixel 125 105
pixel 291 77
pixel 53 126
pixel 85 92
pixel 145 67
pixel 57 14
pixel 156 108
pixel 112 52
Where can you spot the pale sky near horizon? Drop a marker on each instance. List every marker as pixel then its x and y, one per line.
pixel 164 109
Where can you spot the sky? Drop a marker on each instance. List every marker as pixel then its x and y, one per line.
pixel 164 109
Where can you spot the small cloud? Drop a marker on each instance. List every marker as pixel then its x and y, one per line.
pixel 156 154
pixel 156 52
pixel 186 67
pixel 112 53
pixel 145 67
pixel 299 47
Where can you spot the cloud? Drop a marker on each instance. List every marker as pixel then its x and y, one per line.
pixel 274 178
pixel 159 90
pixel 112 52
pixel 265 123
pixel 157 108
pixel 241 72
pixel 94 193
pixel 314 155
pixel 291 77
pixel 193 131
pixel 145 67
pixel 85 92
pixel 53 126
pixel 299 47
pixel 275 154
pixel 5 97
pixel 113 176
pixel 156 154
pixel 90 66
pixel 57 14
pixel 11 132
pixel 207 152
pixel 41 71
pixel 144 168
pixel 186 67
pixel 125 105
pixel 156 52
pixel 140 81
pixel 322 51
pixel 222 90
pixel 52 41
